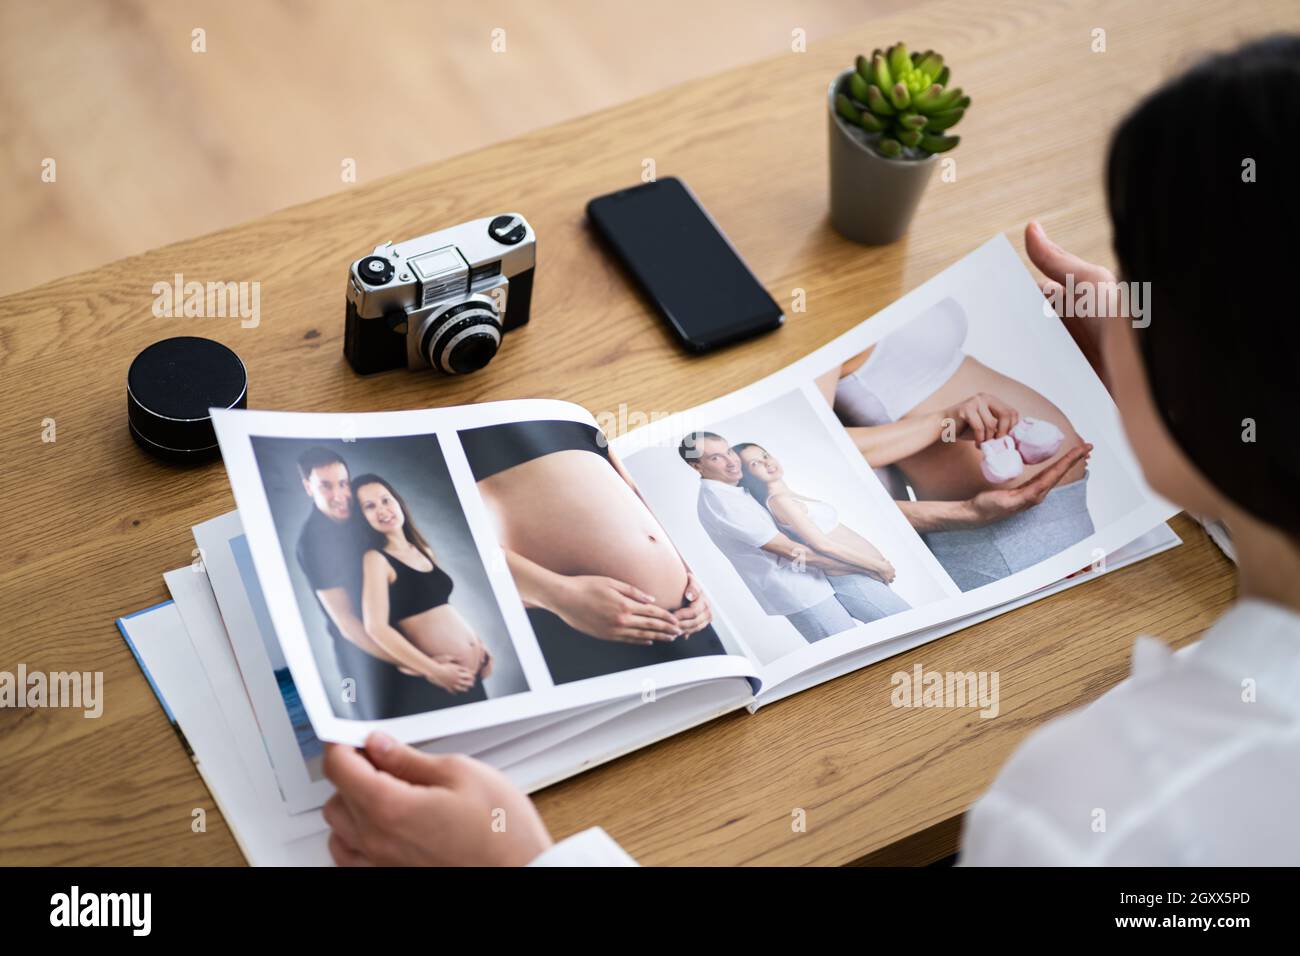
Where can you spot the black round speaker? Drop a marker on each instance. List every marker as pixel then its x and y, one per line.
pixel 170 388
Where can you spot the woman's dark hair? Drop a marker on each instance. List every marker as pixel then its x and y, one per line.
pixel 408 523
pixel 756 487
pixel 1204 202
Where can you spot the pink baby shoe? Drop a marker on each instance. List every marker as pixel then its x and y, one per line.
pixel 1001 460
pixel 1037 440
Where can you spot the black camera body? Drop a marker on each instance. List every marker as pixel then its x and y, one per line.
pixel 443 300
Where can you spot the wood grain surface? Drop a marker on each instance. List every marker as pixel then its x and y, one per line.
pixel 90 523
pixel 284 91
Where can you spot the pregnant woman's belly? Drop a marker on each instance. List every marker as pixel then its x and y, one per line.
pixel 441 630
pixel 573 514
pixel 950 471
pixel 850 538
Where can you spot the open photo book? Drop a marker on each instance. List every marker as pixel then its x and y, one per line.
pixel 505 580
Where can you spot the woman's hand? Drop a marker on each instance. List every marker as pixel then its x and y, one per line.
pixel 695 613
pixel 450 676
pixel 486 670
pixel 612 610
pixel 397 806
pixel 983 416
pixel 1056 264
pixel 998 503
pixel 883 571
pixel 440 672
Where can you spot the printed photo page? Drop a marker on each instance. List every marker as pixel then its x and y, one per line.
pixel 952 454
pixel 437 572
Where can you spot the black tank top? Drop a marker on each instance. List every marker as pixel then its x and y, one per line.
pixel 415 591
pixel 494 448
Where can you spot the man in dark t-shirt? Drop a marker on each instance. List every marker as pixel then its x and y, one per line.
pixel 329 553
pixel 330 547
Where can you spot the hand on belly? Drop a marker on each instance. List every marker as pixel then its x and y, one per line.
pixel 954 472
pixel 625 546
pixel 443 635
pixel 951 471
pixel 612 610
pixel 615 575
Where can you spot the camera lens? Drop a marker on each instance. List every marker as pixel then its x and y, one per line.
pixel 464 337
pixel 472 352
pixel 375 270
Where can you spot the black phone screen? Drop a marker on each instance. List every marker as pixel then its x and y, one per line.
pixel 684 264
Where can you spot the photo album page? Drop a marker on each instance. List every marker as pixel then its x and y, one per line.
pixel 435 572
pixel 952 454
pixel 443 572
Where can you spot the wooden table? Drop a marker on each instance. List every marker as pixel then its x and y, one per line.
pixel 90 523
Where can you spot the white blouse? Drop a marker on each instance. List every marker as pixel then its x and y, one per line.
pixel 905 368
pixel 1193 760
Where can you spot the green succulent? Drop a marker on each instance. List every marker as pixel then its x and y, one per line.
pixel 904 101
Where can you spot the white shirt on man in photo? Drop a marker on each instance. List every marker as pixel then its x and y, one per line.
pixel 740 526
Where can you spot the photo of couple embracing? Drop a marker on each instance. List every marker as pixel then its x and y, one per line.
pixel 793 552
pixel 406 613
pixel 887 472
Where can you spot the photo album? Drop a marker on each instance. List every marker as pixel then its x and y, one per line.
pixel 506 580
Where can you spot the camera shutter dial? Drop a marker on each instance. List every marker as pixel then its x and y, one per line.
pixel 375 270
pixel 463 337
pixel 507 230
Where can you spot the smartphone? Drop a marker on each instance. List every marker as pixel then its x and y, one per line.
pixel 684 264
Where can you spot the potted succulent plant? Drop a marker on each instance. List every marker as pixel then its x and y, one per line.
pixel 889 117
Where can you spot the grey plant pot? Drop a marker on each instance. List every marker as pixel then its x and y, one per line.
pixel 873 198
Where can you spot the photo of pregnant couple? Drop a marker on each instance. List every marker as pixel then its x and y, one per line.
pixel 897 474
pixel 604 588
pixel 778 515
pixel 792 551
pixel 407 622
pixel 989 471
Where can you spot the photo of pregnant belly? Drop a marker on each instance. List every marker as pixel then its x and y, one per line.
pixel 604 588
pixel 406 609
pixel 989 471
